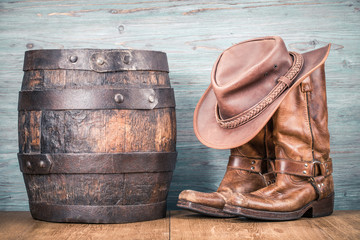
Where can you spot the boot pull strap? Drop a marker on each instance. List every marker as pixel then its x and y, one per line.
pixel 306 85
pixel 303 168
pixel 245 163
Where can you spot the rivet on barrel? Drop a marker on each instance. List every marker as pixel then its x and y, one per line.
pixel 42 164
pixel 151 98
pixel 126 59
pixel 73 59
pixel 28 164
pixel 100 61
pixel 119 98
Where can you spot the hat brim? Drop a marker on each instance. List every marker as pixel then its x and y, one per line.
pixel 212 135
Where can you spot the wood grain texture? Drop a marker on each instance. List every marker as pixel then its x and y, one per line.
pixel 185 225
pixel 104 131
pixel 193 34
pixel 340 225
pixel 29 131
pixel 20 225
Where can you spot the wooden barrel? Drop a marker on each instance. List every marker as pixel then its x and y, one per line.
pixel 97 135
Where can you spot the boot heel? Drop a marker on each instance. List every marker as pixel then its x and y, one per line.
pixel 321 208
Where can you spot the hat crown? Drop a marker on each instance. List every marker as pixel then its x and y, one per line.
pixel 247 72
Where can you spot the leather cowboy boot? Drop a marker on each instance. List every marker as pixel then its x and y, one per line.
pixel 304 184
pixel 244 174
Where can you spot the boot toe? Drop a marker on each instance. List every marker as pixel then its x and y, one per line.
pixel 213 199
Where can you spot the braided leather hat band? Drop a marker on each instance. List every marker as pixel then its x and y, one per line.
pixel 283 83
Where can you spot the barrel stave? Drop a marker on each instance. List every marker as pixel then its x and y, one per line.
pixel 29 124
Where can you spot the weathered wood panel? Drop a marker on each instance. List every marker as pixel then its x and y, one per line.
pixel 193 34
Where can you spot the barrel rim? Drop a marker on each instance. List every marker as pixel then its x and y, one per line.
pixel 98 60
pixel 94 49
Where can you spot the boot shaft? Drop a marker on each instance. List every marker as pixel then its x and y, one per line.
pixel 301 122
pixel 260 147
pixel 302 140
pixel 318 114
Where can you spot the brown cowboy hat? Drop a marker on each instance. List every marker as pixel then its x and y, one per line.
pixel 248 83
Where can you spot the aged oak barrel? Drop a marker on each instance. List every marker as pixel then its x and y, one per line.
pixel 97 134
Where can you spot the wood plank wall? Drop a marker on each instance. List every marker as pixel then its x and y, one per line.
pixel 192 33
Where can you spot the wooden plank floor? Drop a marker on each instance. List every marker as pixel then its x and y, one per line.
pixel 185 225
